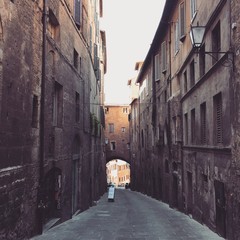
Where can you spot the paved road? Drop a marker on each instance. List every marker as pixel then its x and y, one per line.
pixel 131 216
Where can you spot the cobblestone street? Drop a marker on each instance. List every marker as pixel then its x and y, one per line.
pixel 131 216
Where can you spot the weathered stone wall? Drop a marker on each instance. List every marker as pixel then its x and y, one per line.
pixel 20 68
pixel 68 144
pixel 234 191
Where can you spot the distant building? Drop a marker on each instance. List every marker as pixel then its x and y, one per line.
pixel 117 132
pixel 118 172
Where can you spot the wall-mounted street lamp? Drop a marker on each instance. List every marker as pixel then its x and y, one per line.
pixel 197 34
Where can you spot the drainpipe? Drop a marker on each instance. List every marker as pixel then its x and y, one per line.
pixel 40 196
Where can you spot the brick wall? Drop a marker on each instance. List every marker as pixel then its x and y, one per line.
pixel 20 65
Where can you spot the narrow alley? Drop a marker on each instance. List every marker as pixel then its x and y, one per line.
pixel 131 216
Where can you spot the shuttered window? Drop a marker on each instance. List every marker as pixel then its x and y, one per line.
pixel 185 81
pixel 57 105
pixel 216 42
pixel 203 122
pixel 157 67
pixel 164 56
pixel 176 36
pixel 193 8
pixel 77 12
pixel 186 128
pixel 192 73
pixel 111 127
pixel 182 20
pixel 77 105
pixel 193 127
pixel 217 100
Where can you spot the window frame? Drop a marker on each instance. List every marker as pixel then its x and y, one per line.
pixel 193 9
pixel 157 70
pixel 218 118
pixel 164 56
pixel 182 21
pixel 203 122
pixel 193 126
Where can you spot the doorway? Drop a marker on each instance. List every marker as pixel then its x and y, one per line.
pixel 190 193
pixel 53 186
pixel 220 208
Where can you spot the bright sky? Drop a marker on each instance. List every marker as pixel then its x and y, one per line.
pixel 130 26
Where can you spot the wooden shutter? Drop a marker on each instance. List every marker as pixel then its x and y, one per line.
pixel 156 67
pixel 164 56
pixel 218 117
pixel 182 20
pixel 176 36
pixel 203 122
pixel 77 12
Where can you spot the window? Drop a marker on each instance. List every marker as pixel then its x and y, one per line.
pixel 217 103
pixel 35 111
pixel 157 67
pixel 75 59
pixel 192 73
pixel 147 84
pixel 90 39
pixel 216 42
pixel 174 129
pixel 53 26
pixel 51 145
pixel 193 8
pixel 57 104
pixel 112 146
pixel 96 58
pixel 125 110
pixel 165 96
pixel 80 65
pixel 123 129
pixel 182 21
pixel 166 166
pixel 170 86
pixel 77 12
pixel 203 122
pixel 164 56
pixel 202 63
pixel 77 106
pixel 176 37
pixel 185 82
pixel 111 127
pixel 106 110
pixel 142 135
pixel 186 128
pixel 193 127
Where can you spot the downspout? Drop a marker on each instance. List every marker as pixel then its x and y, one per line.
pixel 169 111
pixel 40 197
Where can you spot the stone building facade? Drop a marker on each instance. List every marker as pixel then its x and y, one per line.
pixel 52 160
pixel 188 106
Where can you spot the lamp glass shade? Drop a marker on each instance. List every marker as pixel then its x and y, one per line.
pixel 196 35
